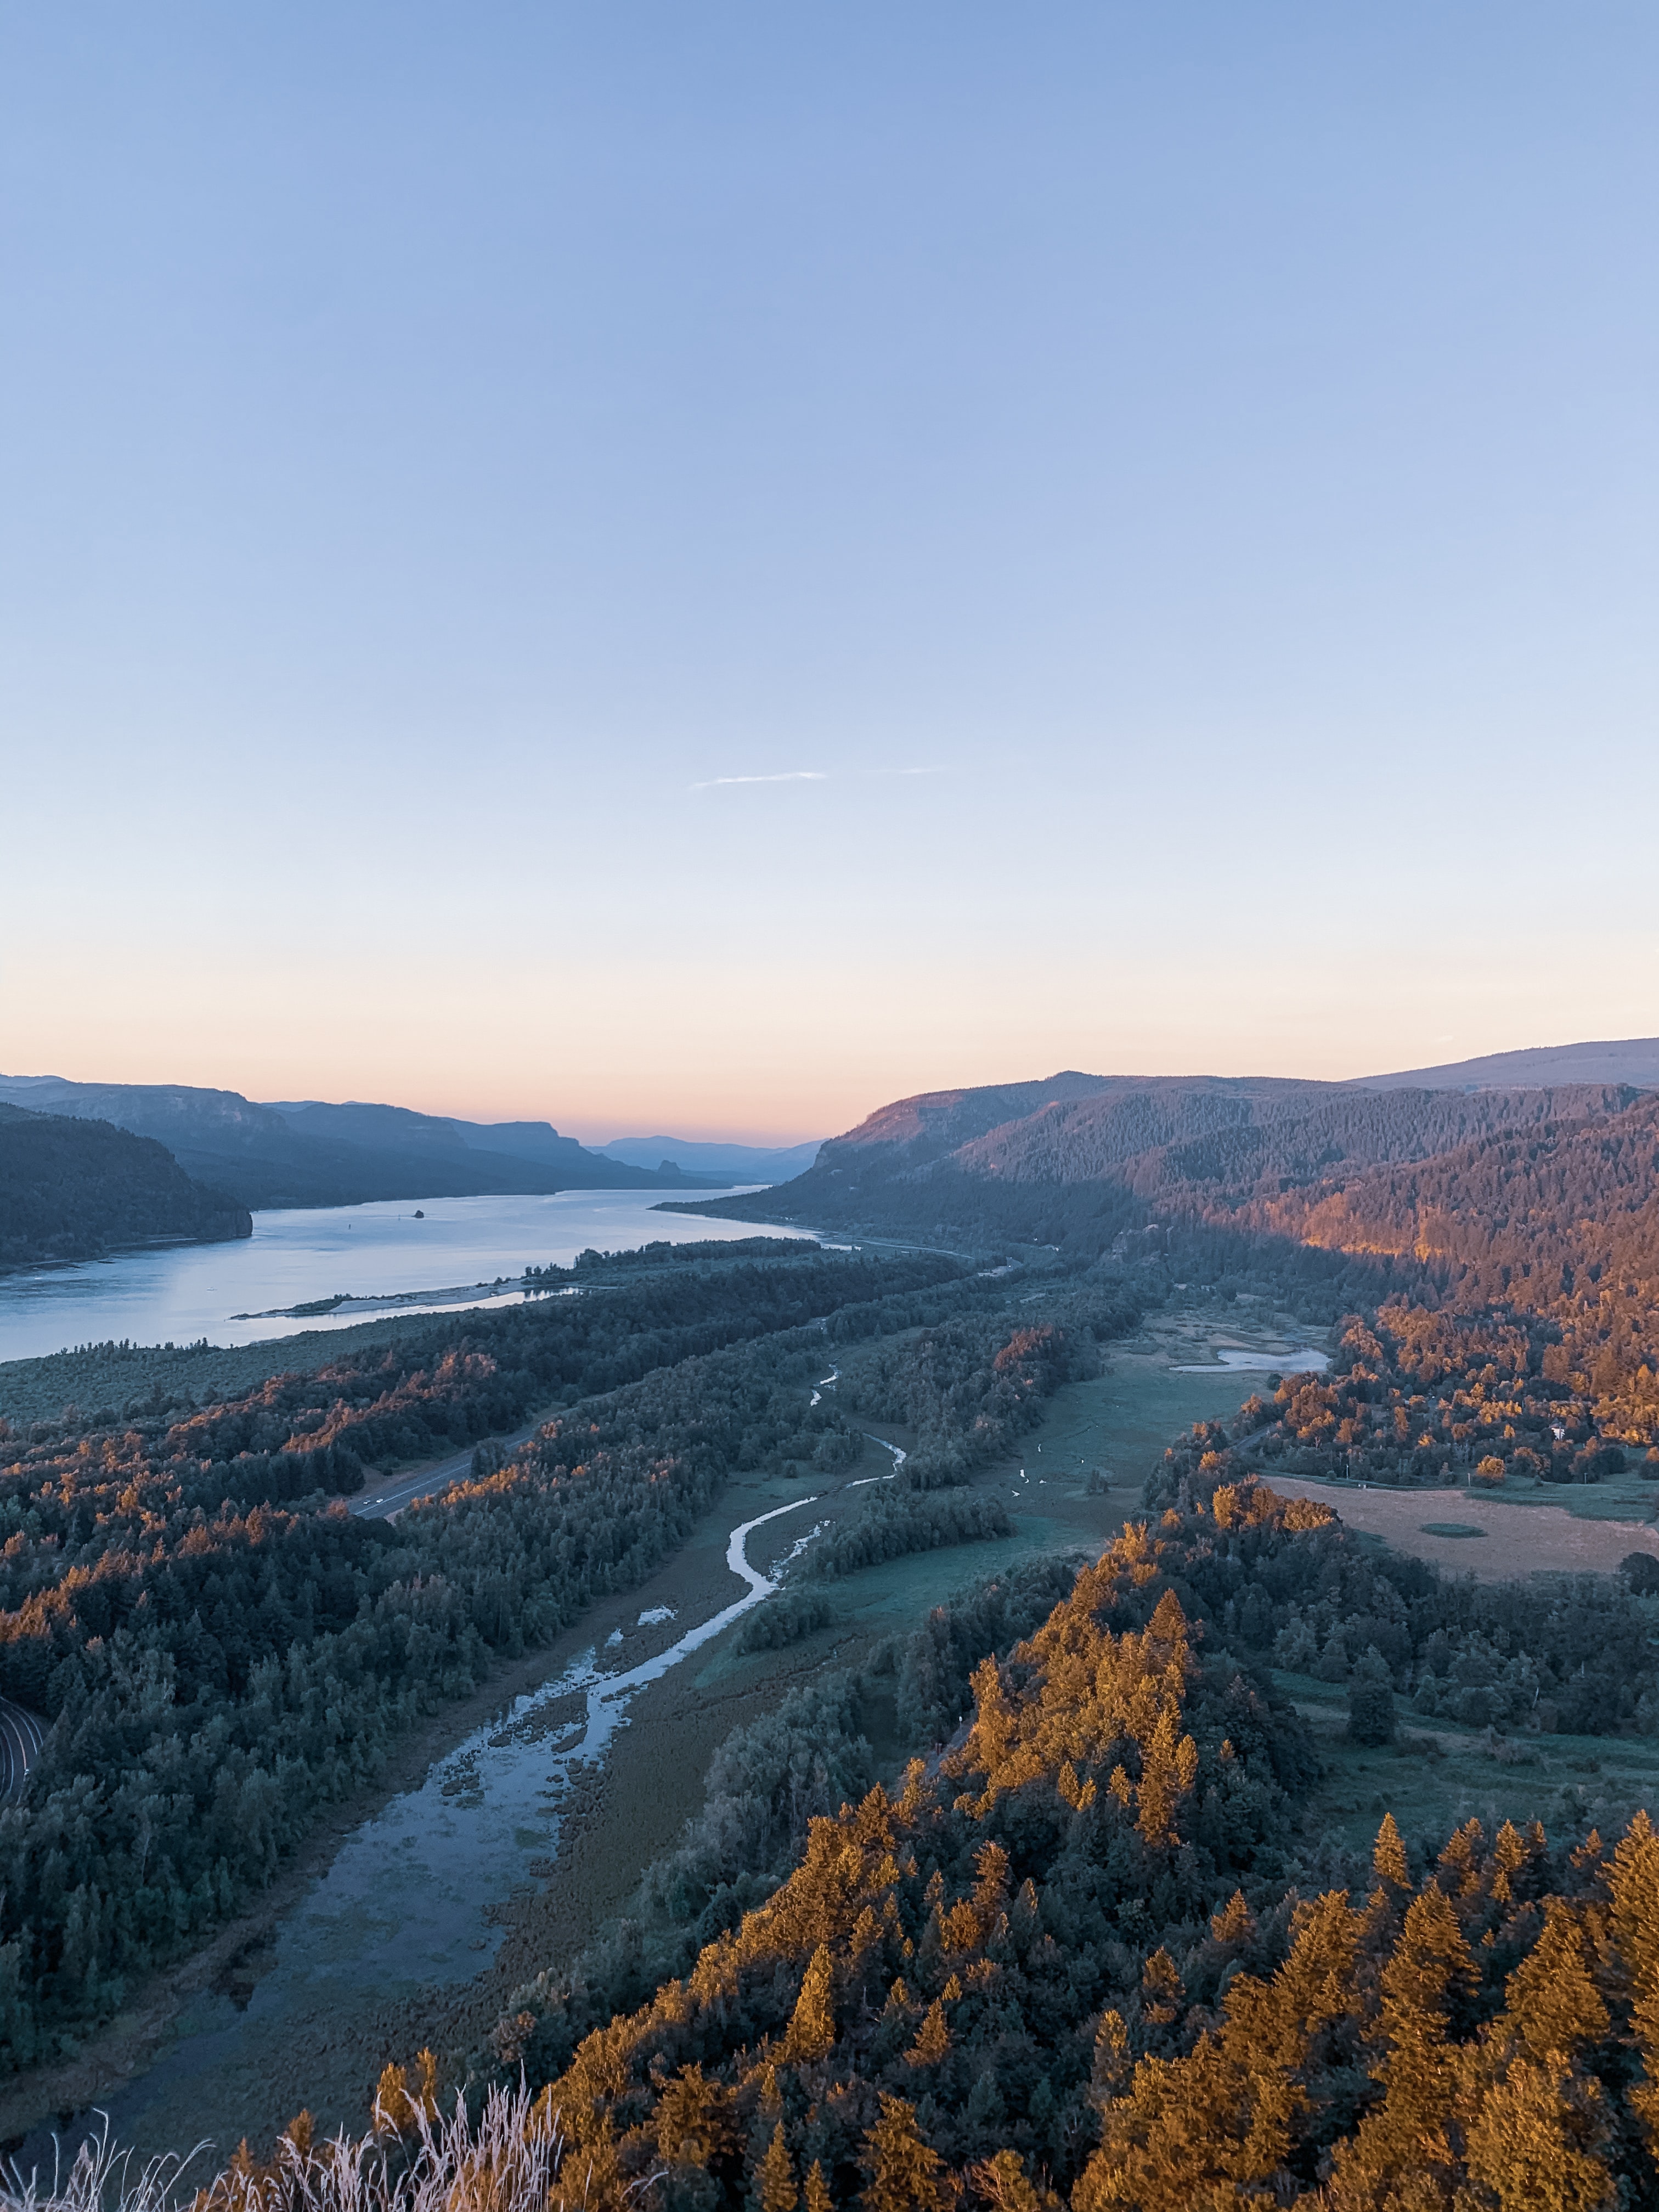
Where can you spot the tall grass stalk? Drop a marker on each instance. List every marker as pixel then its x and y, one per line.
pixel 514 2160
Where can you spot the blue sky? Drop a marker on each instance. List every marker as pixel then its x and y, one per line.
pixel 706 567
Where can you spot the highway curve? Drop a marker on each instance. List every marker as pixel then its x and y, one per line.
pixel 21 1735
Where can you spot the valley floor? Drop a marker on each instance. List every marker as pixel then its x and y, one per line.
pixel 207 2053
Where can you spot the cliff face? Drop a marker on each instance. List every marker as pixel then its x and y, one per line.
pixel 72 1189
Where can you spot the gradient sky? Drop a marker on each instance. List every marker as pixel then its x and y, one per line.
pixel 703 567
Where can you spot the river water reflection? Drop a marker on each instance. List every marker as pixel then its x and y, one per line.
pixel 182 1293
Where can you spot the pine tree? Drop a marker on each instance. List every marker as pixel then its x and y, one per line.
pixel 1509 1855
pixel 1111 2069
pixel 817 2197
pixel 906 2174
pixel 1633 1882
pixel 1235 1923
pixel 1161 1989
pixel 1389 1855
pixel 1205 2128
pixel 1169 1767
pixel 932 2040
pixel 1552 2002
pixel 1520 2144
pixel 1404 2146
pixel 1535 2121
pixel 811 2031
pixel 1001 2183
pixel 692 2119
pixel 776 2176
pixel 991 1889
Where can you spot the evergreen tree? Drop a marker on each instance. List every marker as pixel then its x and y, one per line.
pixel 906 2175
pixel 776 2176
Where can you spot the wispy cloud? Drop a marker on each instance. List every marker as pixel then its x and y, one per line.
pixel 789 775
pixel 810 775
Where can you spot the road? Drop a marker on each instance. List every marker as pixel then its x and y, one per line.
pixel 21 1738
pixel 382 1499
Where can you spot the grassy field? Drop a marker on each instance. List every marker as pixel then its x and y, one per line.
pixel 1437 1776
pixel 1546 1528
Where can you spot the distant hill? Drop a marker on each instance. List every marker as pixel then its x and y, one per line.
pixel 311 1153
pixel 1079 1159
pixel 1634 1060
pixel 72 1189
pixel 725 1163
pixel 510 1149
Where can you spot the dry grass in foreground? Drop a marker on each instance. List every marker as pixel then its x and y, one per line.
pixel 516 2160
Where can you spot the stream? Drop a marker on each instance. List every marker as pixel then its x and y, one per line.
pixel 404 1906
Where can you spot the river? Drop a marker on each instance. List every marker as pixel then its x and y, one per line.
pixel 397 1248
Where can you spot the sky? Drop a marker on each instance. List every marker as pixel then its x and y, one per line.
pixel 699 569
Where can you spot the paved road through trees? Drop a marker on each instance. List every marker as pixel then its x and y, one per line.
pixel 386 1499
pixel 21 1738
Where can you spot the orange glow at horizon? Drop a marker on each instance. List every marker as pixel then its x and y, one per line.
pixel 793 1052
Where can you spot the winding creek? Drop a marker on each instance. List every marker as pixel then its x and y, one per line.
pixel 405 1906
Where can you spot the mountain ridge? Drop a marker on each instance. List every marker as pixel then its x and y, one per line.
pixel 1634 1060
pixel 314 1153
pixel 1077 1160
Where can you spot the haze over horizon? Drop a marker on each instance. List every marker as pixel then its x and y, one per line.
pixel 710 574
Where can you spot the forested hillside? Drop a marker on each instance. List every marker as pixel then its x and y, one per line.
pixel 74 1190
pixel 1094 1947
pixel 1544 1248
pixel 1081 1160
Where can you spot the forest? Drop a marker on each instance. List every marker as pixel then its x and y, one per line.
pixel 1554 1237
pixel 223 1649
pixel 76 1190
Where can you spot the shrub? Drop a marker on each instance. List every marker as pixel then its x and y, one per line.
pixel 1370 1712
